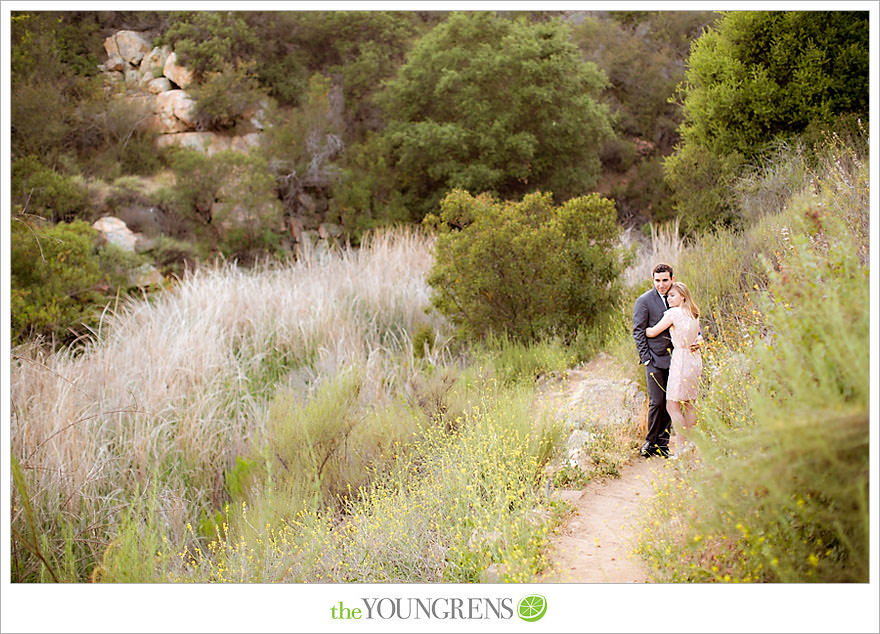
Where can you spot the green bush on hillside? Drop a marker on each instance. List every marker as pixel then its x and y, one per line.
pixel 226 98
pixel 227 201
pixel 60 280
pixel 41 191
pixel 208 41
pixel 525 269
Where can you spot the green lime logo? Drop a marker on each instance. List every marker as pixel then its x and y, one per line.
pixel 532 607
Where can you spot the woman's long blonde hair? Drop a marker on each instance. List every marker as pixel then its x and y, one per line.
pixel 688 302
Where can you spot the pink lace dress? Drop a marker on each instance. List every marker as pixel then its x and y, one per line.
pixel 686 366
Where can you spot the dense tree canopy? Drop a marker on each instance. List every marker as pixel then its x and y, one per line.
pixel 485 103
pixel 756 77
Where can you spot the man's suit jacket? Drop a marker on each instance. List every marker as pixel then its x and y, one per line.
pixel 648 311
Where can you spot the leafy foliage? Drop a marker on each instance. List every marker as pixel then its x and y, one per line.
pixel 524 269
pixel 755 77
pixel 780 492
pixel 42 191
pixel 491 104
pixel 301 144
pixel 207 41
pixel 358 49
pixel 643 56
pixel 228 199
pixel 50 74
pixel 365 197
pixel 226 98
pixel 60 279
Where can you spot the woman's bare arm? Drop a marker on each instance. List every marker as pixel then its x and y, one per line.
pixel 660 326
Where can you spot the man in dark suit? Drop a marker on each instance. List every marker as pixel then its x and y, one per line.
pixel 655 354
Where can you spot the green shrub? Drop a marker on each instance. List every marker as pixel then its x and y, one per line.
pixel 207 41
pixel 226 98
pixel 112 136
pixel 60 280
pixel 39 120
pixel 365 197
pixel 197 180
pixel 40 190
pixel 524 269
pixel 227 201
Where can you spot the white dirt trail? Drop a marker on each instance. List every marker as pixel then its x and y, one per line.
pixel 596 543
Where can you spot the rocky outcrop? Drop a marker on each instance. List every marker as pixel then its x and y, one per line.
pixel 599 401
pixel 210 142
pixel 176 110
pixel 153 79
pixel 603 401
pixel 128 46
pixel 180 75
pixel 154 62
pixel 112 230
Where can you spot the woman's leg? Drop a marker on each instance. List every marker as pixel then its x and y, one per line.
pixel 689 419
pixel 689 414
pixel 674 409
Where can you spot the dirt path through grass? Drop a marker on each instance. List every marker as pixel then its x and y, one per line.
pixel 596 543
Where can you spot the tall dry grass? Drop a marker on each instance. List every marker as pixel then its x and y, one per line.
pixel 171 390
pixel 664 244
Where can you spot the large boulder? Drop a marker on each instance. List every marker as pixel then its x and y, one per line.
pixel 129 45
pixel 206 142
pixel 601 400
pixel 174 108
pixel 177 73
pixel 159 84
pixel 115 231
pixel 115 63
pixel 154 61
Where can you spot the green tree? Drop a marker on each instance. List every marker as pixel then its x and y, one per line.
pixel 524 268
pixel 754 78
pixel 491 104
pixel 51 74
pixel 356 49
pixel 643 55
pixel 365 197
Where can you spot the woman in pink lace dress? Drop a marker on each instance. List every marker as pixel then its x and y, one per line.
pixel 682 387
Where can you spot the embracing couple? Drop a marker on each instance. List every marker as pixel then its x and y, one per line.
pixel 666 327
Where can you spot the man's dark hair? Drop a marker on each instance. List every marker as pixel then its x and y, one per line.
pixel 660 268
